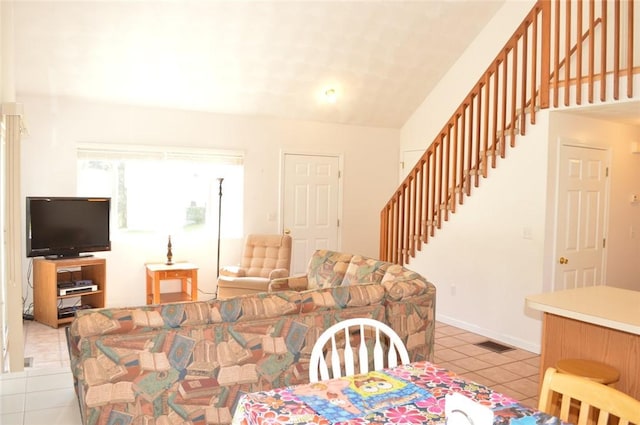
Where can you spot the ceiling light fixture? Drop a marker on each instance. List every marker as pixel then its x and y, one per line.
pixel 330 95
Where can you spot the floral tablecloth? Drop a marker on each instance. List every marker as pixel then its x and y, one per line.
pixel 408 394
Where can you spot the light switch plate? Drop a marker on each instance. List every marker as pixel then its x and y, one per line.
pixel 461 410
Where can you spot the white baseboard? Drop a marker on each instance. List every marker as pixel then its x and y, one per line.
pixel 498 337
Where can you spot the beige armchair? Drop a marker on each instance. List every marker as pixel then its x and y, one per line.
pixel 264 258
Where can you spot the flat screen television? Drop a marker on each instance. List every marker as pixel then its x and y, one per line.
pixel 60 227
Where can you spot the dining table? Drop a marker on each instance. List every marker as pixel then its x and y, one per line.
pixel 414 393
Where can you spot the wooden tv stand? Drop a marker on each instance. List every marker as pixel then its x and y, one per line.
pixel 48 273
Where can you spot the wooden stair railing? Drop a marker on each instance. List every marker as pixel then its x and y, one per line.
pixel 519 82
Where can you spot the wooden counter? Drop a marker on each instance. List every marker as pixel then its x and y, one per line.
pixel 598 323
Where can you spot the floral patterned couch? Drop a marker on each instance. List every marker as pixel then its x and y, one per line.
pixel 188 363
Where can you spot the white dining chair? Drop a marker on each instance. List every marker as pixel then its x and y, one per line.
pixel 570 397
pixel 384 338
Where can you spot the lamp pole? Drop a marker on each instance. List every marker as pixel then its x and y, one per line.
pixel 220 179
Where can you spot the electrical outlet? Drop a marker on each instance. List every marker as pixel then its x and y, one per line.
pixel 453 290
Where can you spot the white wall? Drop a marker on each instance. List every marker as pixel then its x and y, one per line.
pixel 623 231
pixel 483 261
pixel 49 168
pixel 7 80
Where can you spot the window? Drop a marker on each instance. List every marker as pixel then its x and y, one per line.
pixel 164 190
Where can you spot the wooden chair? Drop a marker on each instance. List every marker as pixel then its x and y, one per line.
pixel 590 369
pixel 592 400
pixel 361 329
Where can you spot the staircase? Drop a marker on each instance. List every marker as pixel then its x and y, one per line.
pixel 565 53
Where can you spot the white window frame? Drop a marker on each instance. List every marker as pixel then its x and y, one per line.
pixel 165 188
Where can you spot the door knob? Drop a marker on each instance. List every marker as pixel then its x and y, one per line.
pixel 287 231
pixel 564 260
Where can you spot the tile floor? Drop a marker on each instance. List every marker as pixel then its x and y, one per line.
pixel 43 393
pixel 513 373
pixel 46 346
pixel 38 397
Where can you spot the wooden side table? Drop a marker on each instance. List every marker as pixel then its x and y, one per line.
pixel 183 271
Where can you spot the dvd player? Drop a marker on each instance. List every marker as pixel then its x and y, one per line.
pixel 65 312
pixel 77 289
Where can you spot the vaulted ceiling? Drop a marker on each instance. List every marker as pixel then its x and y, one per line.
pixel 260 58
pixel 273 58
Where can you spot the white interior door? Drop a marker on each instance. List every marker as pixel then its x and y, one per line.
pixel 310 212
pixel 582 195
pixel 409 159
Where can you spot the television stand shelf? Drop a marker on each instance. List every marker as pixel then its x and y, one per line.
pixel 47 274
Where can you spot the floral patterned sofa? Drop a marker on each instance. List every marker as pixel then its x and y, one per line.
pixel 188 363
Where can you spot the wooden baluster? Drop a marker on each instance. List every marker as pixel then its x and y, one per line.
pixel 382 243
pixel 387 231
pixel 514 94
pixel 419 202
pixel 503 132
pixel 424 231
pixel 411 214
pixel 534 67
pixel 454 166
pixel 478 135
pixel 396 226
pixel 463 144
pixel 630 37
pixel 470 150
pixel 432 192
pixel 579 52
pixel 567 54
pixel 485 124
pixel 545 59
pixel 616 50
pixel 406 225
pixel 446 153
pixel 523 91
pixel 603 53
pixel 592 43
pixel 390 232
pixel 414 207
pixel 401 212
pixel 394 236
pixel 412 217
pixel 556 56
pixel 494 116
pixel 438 179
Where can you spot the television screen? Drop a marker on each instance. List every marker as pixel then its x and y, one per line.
pixel 66 227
